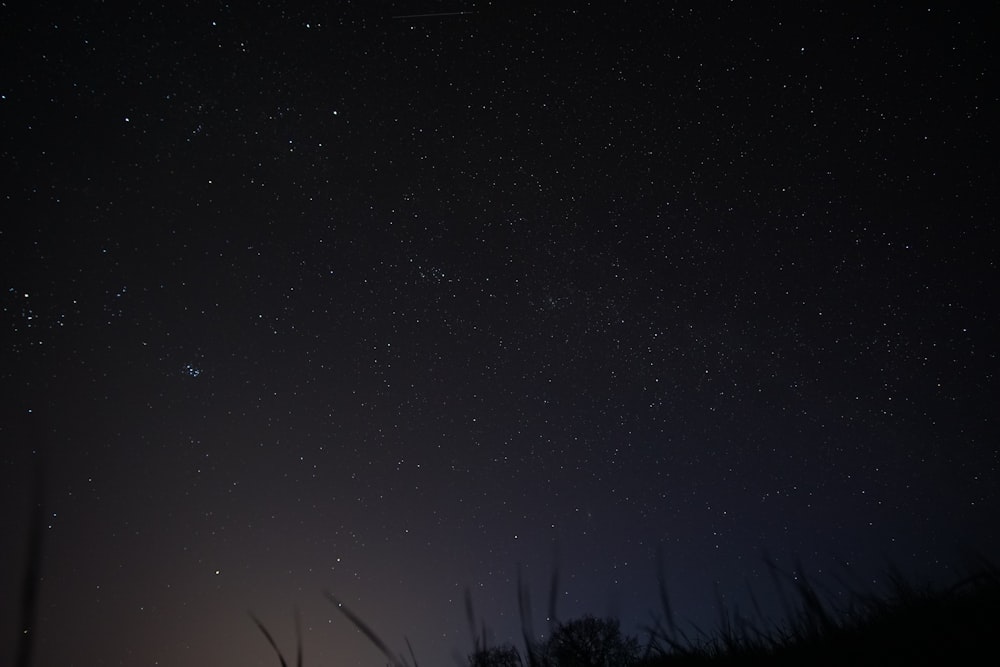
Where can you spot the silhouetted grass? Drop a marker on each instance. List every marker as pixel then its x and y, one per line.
pixel 32 569
pixel 908 624
pixel 274 644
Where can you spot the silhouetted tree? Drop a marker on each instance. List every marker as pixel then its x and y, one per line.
pixel 590 642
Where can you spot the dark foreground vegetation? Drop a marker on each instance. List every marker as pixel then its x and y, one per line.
pixel 908 624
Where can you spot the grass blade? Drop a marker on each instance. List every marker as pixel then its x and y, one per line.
pixel 270 639
pixel 32 571
pixel 366 631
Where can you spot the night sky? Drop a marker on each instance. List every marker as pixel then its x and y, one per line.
pixel 340 298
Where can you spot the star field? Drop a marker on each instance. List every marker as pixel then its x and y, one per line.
pixel 391 298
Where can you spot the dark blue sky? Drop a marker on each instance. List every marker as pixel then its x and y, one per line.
pixel 300 298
